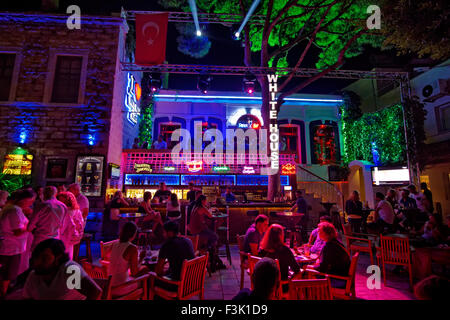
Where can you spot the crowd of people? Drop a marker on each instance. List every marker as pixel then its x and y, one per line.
pixel 30 217
pixel 403 211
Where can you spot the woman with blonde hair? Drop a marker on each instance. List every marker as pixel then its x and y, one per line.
pixel 73 223
pixel 272 245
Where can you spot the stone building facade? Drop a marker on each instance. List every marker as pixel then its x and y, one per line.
pixel 63 93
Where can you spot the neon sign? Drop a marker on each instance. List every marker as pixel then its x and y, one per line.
pixel 131 101
pixel 194 166
pixel 273 116
pixel 288 168
pixel 142 167
pixel 248 170
pixel 171 169
pixel 18 164
pixel 221 169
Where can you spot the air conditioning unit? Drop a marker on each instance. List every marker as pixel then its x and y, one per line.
pixel 435 90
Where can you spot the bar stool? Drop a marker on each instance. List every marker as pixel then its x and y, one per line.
pixel 226 229
pixel 87 237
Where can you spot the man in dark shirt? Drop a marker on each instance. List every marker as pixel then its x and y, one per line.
pixel 162 193
pixel 265 282
pixel 255 233
pixel 427 193
pixel 302 207
pixel 176 249
pixel 191 205
pixel 191 193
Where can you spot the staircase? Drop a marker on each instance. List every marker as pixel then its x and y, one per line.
pixel 316 190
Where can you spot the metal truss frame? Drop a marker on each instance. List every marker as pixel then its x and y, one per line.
pixel 186 17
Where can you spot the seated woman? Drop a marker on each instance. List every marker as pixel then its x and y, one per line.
pixel 433 232
pixel 334 258
pixel 173 207
pixel 315 241
pixel 110 224
pixel 153 217
pixel 124 260
pixel 272 246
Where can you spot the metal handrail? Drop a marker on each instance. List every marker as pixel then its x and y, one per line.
pixel 327 182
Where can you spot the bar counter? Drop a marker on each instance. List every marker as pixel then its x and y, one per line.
pixel 239 220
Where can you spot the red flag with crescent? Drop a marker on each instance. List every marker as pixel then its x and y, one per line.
pixel 151 34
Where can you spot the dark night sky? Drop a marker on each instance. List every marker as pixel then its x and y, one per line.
pixel 224 50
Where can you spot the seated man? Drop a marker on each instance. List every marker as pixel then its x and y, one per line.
pixel 265 281
pixel 51 273
pixel 176 249
pixel 229 196
pixel 255 233
pixel 315 241
pixel 384 214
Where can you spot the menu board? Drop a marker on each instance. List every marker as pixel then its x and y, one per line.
pixel 89 174
pixel 18 164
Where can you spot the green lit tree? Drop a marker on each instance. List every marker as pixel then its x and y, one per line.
pixel 145 120
pixel 337 28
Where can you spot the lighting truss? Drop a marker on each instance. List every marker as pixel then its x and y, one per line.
pixel 262 71
pixel 220 18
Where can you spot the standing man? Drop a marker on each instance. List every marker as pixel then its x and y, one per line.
pixel 162 193
pixel 47 221
pixel 83 202
pixel 427 193
pixel 302 207
pixel 191 192
pixel 384 214
pixel 416 195
pixel 229 196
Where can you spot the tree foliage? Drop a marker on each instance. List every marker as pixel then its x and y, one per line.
pixel 420 27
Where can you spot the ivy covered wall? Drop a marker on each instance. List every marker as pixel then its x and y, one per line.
pixel 375 137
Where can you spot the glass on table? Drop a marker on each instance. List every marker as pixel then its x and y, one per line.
pixel 307 250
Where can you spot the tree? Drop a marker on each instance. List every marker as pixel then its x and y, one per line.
pixel 419 27
pixel 337 28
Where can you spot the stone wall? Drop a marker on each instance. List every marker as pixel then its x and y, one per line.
pixel 52 129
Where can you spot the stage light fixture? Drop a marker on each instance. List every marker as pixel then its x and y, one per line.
pixel 199 33
pixel 204 83
pixel 155 82
pixel 249 83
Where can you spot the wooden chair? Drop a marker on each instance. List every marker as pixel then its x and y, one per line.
pixel 191 283
pixel 100 275
pixel 244 257
pixel 395 251
pixel 349 292
pixel 358 242
pixel 87 237
pixel 310 289
pixel 105 252
pixel 252 260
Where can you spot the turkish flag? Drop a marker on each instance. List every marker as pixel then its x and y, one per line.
pixel 151 34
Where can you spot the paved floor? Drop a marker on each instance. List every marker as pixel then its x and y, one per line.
pixel 224 284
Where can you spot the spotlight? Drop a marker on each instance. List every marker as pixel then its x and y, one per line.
pixel 154 82
pixel 199 33
pixel 204 82
pixel 249 82
pixel 237 34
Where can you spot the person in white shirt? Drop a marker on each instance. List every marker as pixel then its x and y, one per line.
pixel 124 260
pixel 418 196
pixel 47 221
pixel 52 271
pixel 384 214
pixel 73 224
pixel 82 200
pixel 13 236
